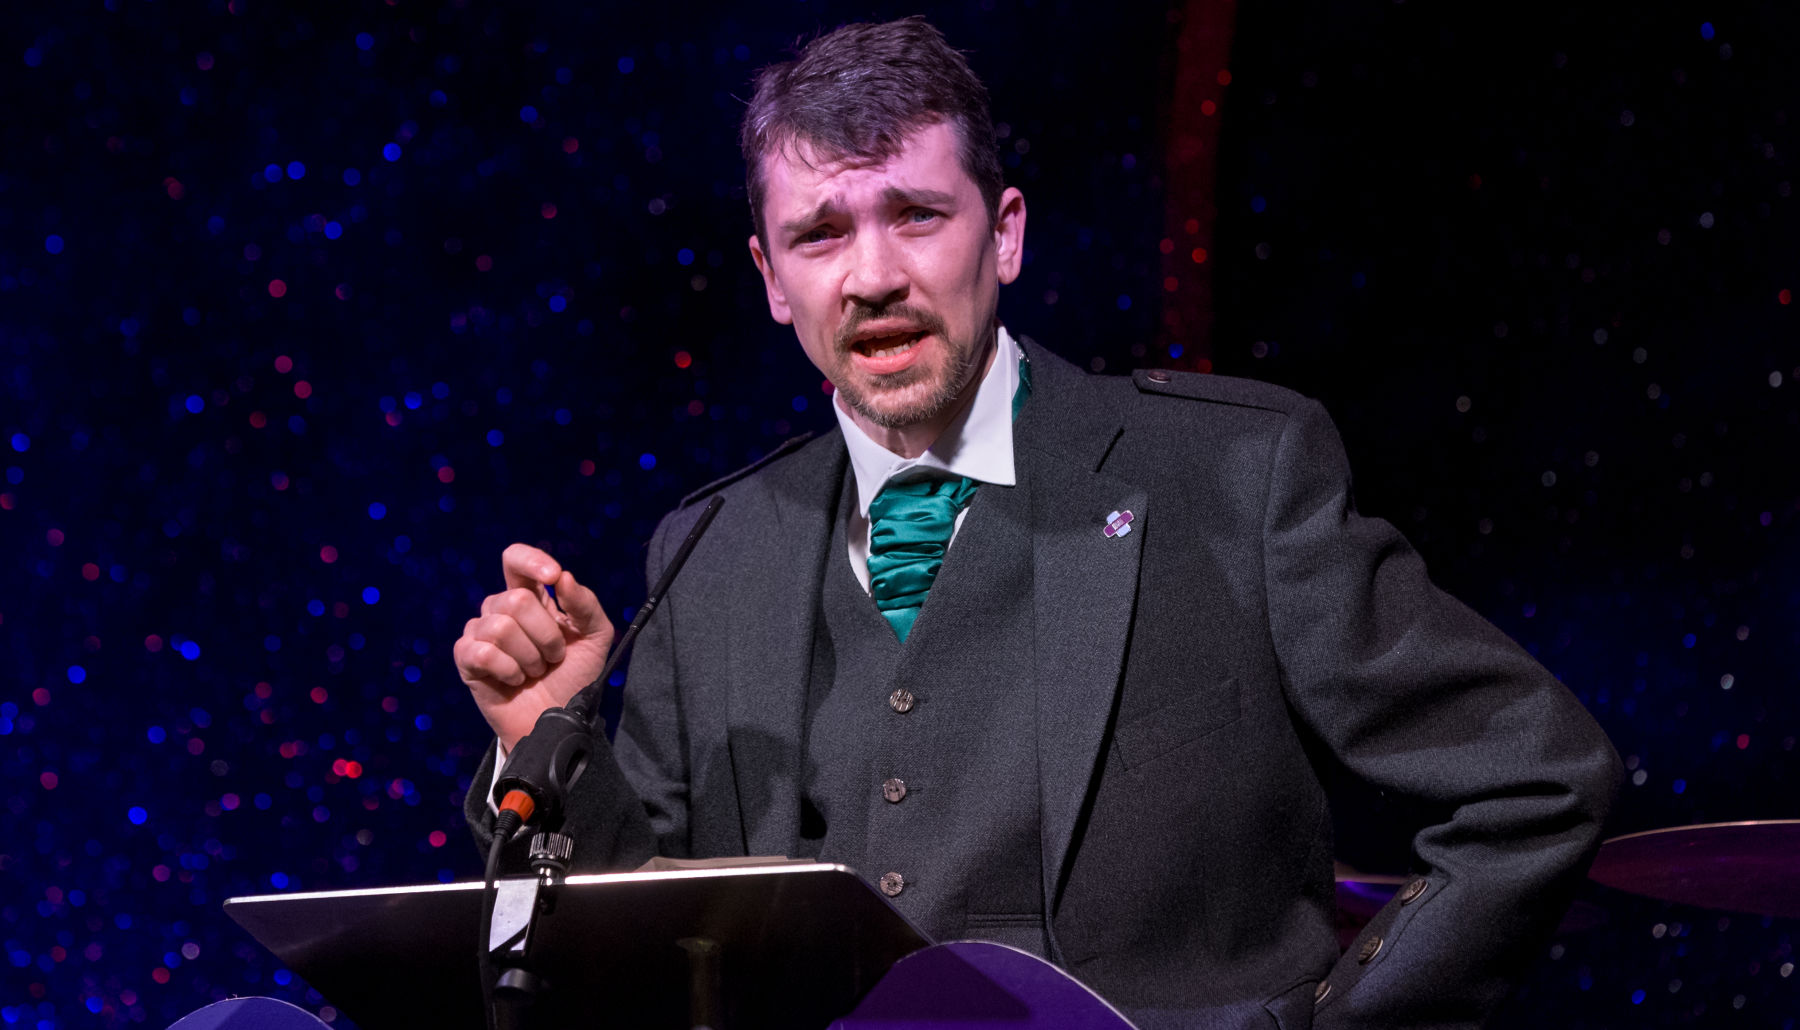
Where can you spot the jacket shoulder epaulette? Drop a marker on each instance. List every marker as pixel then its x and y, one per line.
pixel 786 447
pixel 1243 393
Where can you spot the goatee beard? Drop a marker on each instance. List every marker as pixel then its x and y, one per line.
pixel 926 408
pixel 949 384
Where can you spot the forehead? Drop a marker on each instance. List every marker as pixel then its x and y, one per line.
pixel 798 177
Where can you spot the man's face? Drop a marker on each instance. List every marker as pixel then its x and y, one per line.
pixel 889 271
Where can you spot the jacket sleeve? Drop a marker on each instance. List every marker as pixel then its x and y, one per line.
pixel 1416 694
pixel 630 804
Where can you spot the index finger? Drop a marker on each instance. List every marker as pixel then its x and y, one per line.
pixel 526 566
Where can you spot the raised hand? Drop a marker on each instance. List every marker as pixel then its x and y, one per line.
pixel 527 652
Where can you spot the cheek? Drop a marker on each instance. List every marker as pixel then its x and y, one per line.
pixel 964 276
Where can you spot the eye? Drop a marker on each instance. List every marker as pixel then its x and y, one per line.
pixel 922 216
pixel 818 235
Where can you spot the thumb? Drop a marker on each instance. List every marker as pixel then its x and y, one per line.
pixel 586 616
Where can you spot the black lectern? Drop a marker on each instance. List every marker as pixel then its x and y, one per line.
pixel 797 946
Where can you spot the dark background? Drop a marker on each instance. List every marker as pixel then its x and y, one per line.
pixel 272 401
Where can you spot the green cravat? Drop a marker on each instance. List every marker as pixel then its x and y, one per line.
pixel 910 525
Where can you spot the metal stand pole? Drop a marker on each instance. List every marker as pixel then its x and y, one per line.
pixel 706 983
pixel 517 907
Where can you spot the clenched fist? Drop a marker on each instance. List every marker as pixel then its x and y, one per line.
pixel 526 651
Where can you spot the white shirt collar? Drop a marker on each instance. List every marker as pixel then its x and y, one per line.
pixel 978 444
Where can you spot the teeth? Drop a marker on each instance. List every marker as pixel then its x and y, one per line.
pixel 886 346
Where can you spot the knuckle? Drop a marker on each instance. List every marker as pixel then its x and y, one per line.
pixel 513 601
pixel 472 658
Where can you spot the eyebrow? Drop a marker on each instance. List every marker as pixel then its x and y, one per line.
pixel 893 196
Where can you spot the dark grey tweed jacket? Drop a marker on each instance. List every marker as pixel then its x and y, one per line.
pixel 1183 675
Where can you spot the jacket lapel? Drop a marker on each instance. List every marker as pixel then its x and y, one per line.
pixel 771 640
pixel 1085 588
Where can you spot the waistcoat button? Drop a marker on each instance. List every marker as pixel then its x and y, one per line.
pixel 894 789
pixel 892 884
pixel 1370 949
pixel 1321 991
pixel 1157 375
pixel 1410 893
pixel 901 700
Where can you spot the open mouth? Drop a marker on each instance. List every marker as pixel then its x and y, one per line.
pixel 889 345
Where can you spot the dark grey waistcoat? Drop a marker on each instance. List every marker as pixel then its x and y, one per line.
pixel 940 789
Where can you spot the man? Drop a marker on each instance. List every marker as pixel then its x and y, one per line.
pixel 1052 659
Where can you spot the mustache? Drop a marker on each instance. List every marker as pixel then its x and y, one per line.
pixel 919 318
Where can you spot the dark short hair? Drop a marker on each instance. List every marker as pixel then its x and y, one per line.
pixel 859 91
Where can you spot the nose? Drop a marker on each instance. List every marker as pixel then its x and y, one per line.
pixel 877 275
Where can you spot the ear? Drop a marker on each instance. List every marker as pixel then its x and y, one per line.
pixel 1009 233
pixel 778 305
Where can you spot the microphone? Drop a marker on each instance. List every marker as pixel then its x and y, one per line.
pixel 548 760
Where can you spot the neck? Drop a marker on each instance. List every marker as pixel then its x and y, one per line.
pixel 910 441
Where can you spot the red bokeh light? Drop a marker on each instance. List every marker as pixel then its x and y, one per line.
pixel 277 288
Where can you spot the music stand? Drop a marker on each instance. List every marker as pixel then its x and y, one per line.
pixel 799 944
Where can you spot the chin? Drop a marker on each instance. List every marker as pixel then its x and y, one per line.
pixel 897 407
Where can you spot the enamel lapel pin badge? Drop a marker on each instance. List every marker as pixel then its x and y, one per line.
pixel 1117 524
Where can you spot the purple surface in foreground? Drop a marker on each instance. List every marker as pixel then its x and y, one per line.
pixel 249 1014
pixel 978 984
